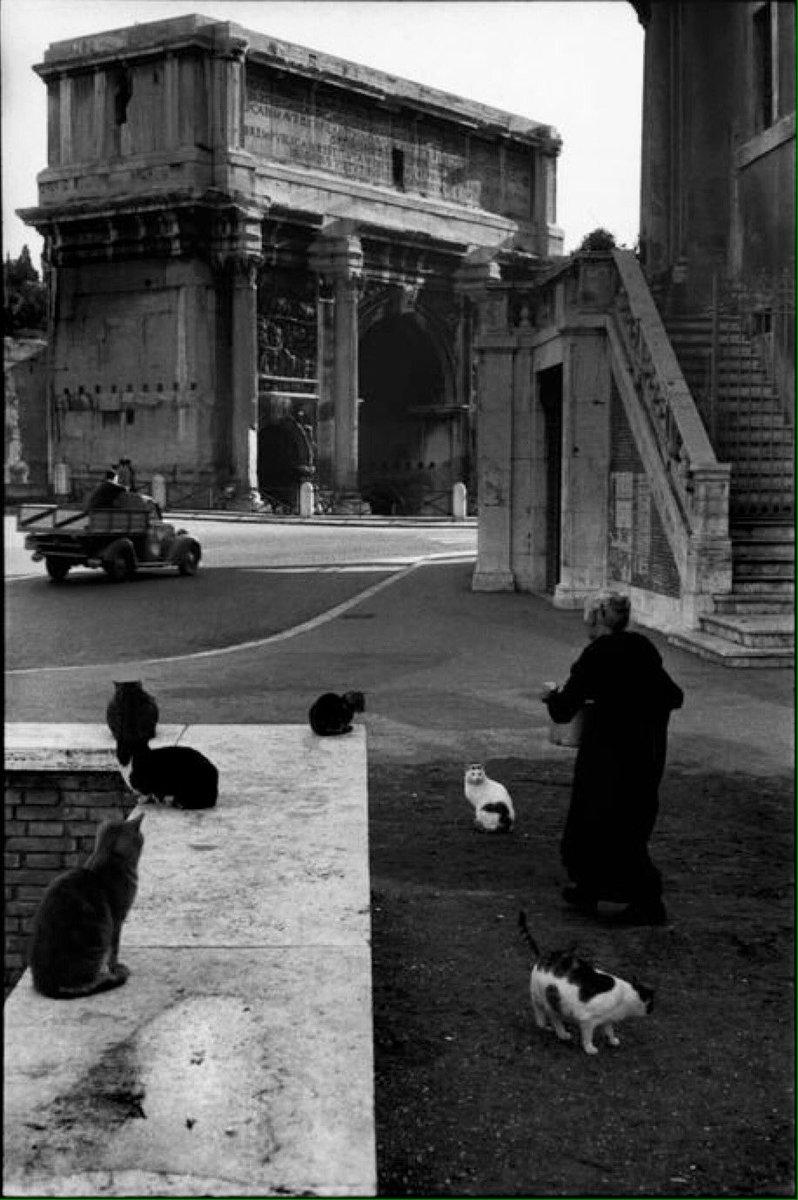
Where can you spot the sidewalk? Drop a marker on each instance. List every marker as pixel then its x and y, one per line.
pixel 367 521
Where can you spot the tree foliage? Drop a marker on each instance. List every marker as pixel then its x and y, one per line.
pixel 24 297
pixel 598 239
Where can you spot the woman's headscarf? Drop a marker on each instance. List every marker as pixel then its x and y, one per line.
pixel 610 609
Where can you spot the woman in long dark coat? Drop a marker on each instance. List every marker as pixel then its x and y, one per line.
pixel 626 697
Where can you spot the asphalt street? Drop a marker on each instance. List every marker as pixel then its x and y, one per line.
pixel 448 673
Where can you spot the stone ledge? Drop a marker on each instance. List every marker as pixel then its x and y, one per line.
pixel 33 747
pixel 237 1060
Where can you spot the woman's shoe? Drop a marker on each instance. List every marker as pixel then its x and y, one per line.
pixel 574 897
pixel 641 914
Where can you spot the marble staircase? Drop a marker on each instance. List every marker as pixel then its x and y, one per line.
pixel 754 625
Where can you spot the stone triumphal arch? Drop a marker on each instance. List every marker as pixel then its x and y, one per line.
pixel 265 263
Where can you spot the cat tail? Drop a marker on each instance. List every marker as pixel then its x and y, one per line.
pixel 524 927
pixel 127 747
pixel 124 751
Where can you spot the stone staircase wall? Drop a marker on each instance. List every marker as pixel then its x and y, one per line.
pixel 749 428
pixel 748 424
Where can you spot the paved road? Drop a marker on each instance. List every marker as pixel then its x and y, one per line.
pixel 448 673
pixel 257 580
pixel 229 543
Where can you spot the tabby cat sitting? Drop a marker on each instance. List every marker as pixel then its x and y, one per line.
pixel 74 949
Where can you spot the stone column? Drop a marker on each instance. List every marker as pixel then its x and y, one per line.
pixel 656 182
pixel 494 569
pixel 172 102
pixel 550 237
pixel 528 537
pixel 244 376
pixel 585 469
pixel 65 125
pixel 100 113
pixel 227 74
pixel 337 258
pixel 477 278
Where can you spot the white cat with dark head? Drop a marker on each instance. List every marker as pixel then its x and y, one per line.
pixel 493 808
pixel 566 988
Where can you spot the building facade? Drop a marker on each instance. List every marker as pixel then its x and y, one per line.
pixel 261 261
pixel 636 411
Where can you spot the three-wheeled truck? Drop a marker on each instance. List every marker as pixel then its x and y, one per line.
pixel 120 540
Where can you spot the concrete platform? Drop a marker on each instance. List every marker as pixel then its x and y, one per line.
pixel 237 1060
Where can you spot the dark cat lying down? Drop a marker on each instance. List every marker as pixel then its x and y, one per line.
pixel 181 772
pixel 332 714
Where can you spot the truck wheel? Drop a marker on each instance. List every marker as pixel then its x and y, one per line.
pixel 119 567
pixel 188 563
pixel 57 569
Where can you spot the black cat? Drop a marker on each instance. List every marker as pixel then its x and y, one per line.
pixel 132 716
pixel 332 714
pixel 181 772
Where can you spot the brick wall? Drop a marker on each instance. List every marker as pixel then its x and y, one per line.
pixel 51 818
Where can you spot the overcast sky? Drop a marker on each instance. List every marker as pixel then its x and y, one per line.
pixel 573 64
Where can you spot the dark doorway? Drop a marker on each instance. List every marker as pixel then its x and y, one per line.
pixel 285 458
pixel 404 445
pixel 550 395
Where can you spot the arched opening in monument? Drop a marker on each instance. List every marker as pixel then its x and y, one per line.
pixel 550 395
pixel 285 460
pixel 411 445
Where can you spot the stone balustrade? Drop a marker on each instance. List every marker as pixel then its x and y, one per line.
pixel 685 449
pixel 692 487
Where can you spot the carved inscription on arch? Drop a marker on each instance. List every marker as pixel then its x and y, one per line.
pixel 284 121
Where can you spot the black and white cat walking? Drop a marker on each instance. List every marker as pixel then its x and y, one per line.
pixel 566 988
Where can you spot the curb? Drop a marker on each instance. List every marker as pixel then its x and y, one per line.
pixel 367 522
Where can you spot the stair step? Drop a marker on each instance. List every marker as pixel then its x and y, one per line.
pixel 730 347
pixel 757 481
pixel 758 441
pixel 743 506
pixel 760 392
pixel 731 654
pixel 754 602
pixel 762 568
pixel 757 553
pixel 752 629
pixel 732 354
pixel 702 320
pixel 740 420
pixel 776 465
pixel 763 531
pixel 769 585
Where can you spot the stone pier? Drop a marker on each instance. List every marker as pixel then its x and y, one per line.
pixel 237 1060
